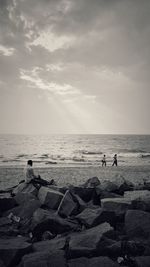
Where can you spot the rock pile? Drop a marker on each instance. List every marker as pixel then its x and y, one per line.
pixel 95 224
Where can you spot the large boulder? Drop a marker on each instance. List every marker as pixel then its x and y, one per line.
pixel 25 188
pixel 91 217
pixel 67 205
pixel 6 202
pixel 44 259
pixel 49 197
pixel 12 250
pixel 44 220
pixel 118 185
pixel 93 262
pixel 117 205
pixel 137 224
pixel 87 242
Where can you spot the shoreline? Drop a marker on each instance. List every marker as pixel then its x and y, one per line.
pixel 10 176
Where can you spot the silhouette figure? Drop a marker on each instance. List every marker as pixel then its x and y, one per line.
pixel 104 161
pixel 115 161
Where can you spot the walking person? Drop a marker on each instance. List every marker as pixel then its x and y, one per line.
pixel 115 161
pixel 104 161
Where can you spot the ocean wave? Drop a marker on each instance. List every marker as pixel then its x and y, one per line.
pixel 128 150
pixel 78 159
pixel 146 155
pixel 22 156
pixel 50 162
pixel 86 152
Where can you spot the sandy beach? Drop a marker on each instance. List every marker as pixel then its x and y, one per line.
pixel 10 176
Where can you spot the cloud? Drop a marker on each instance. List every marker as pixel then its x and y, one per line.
pixel 5 51
pixel 52 42
pixel 52 87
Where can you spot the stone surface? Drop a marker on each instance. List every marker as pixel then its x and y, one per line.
pixel 44 220
pixel 6 202
pixel 67 205
pixel 25 188
pixel 142 203
pixel 118 205
pixel 26 210
pixel 92 182
pixel 91 217
pixel 21 198
pixel 50 245
pixel 87 242
pixel 137 224
pixel 132 195
pixel 1 263
pixel 143 261
pixel 49 197
pixel 12 250
pixel 44 259
pixel 93 262
pixel 85 194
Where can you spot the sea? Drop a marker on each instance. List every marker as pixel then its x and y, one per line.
pixel 73 150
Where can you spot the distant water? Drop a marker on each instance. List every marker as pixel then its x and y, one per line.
pixel 73 150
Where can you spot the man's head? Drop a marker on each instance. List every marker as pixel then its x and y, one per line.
pixel 30 162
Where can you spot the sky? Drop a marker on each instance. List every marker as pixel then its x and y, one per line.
pixel 74 66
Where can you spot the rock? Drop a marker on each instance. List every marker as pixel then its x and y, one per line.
pixel 132 195
pixel 21 198
pixel 6 202
pixel 93 262
pixel 67 205
pixel 25 188
pixel 5 221
pixel 118 205
pixel 49 197
pixel 12 250
pixel 119 185
pixel 137 224
pixel 107 186
pixel 26 210
pixel 142 203
pixel 81 204
pixel 86 243
pixel 105 194
pixel 44 220
pixel 50 245
pixel 122 248
pixel 47 235
pixel 91 217
pixel 85 194
pixel 44 259
pixel 143 261
pixel 92 182
pixel 1 264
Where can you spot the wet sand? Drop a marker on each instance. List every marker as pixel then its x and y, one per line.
pixel 10 176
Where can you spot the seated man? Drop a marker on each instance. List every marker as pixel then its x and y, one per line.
pixel 36 180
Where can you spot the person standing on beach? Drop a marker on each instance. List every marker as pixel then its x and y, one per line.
pixel 30 177
pixel 104 161
pixel 115 161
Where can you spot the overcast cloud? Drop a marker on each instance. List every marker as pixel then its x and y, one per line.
pixel 74 66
